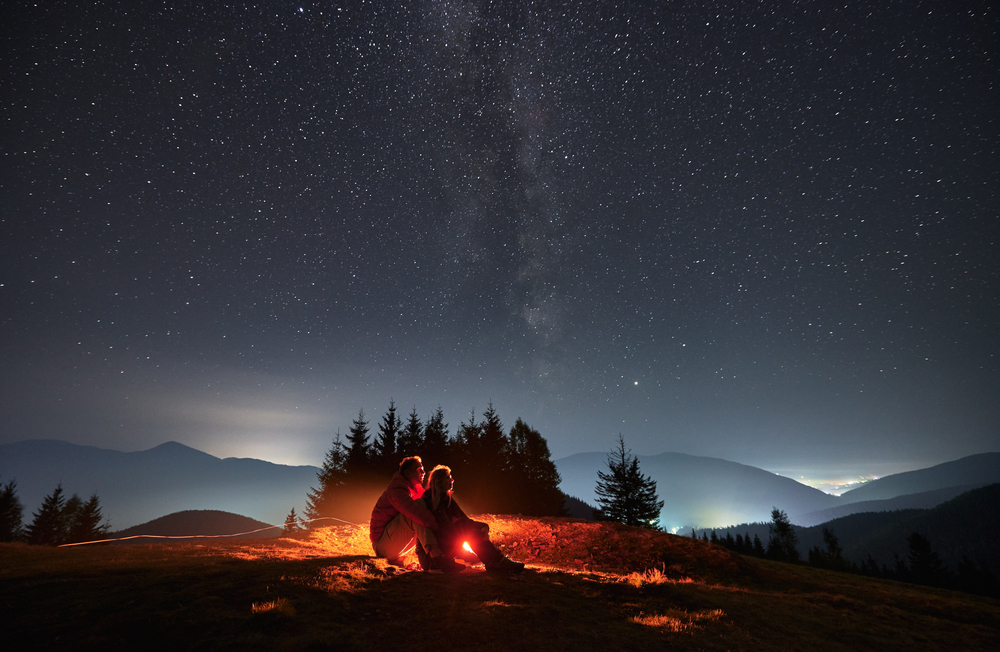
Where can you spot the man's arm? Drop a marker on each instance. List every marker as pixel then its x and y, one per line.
pixel 400 499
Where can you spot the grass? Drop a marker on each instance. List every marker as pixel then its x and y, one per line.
pixel 588 586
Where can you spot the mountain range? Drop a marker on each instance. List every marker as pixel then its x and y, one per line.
pixel 702 492
pixel 706 492
pixel 967 525
pixel 137 487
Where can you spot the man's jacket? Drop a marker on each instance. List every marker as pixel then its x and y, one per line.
pixel 398 498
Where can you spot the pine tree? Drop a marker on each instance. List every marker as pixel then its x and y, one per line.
pixel 533 478
pixel 783 541
pixel 358 464
pixel 69 513
pixel 85 524
pixel 467 466
pixel 292 524
pixel 411 439
pixel 465 449
pixel 386 443
pixel 833 549
pixel 436 445
pixel 11 513
pixel 322 501
pixel 625 494
pixel 493 444
pixel 48 527
pixel 484 453
pixel 832 557
pixel 926 566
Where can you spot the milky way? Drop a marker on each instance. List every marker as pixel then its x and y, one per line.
pixel 758 232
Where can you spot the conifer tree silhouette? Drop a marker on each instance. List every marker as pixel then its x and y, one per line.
pixel 625 494
pixel 48 528
pixel 783 541
pixel 11 513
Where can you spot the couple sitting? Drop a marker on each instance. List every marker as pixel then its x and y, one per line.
pixel 407 510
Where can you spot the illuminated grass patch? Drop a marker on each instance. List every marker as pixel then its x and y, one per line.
pixel 677 621
pixel 278 606
pixel 654 576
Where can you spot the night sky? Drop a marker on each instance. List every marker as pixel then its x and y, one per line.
pixel 764 232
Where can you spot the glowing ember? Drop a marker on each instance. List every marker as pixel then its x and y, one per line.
pixel 466 546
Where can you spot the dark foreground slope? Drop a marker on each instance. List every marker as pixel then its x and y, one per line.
pixel 589 586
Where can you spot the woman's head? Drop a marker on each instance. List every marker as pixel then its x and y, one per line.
pixel 439 482
pixel 440 478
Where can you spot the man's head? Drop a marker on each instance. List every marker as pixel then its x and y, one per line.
pixel 412 468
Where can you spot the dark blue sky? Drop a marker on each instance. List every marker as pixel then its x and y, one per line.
pixel 764 233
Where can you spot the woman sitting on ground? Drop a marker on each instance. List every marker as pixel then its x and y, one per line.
pixel 455 529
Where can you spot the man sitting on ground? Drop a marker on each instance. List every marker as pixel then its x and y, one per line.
pixel 397 516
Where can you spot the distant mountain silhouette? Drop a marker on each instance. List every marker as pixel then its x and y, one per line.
pixel 706 492
pixel 966 525
pixel 136 487
pixel 697 491
pixel 206 522
pixel 975 470
pixel 701 491
pixel 923 500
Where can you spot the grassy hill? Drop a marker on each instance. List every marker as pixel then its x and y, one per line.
pixel 588 586
pixel 201 522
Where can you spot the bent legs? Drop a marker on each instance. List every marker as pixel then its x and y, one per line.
pixel 397 539
pixel 474 533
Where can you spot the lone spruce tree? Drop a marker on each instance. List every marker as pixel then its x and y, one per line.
pixel 626 495
pixel 783 541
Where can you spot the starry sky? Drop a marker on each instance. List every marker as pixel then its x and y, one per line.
pixel 764 232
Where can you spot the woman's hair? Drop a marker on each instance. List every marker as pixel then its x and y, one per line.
pixel 439 485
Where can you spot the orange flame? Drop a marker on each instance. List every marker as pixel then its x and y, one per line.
pixel 466 546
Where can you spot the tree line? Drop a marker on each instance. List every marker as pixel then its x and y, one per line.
pixel 60 520
pixel 922 565
pixel 496 470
